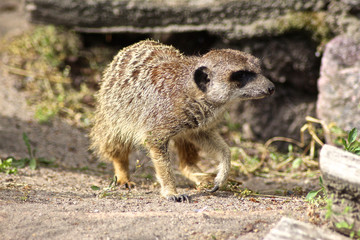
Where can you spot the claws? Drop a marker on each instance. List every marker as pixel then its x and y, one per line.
pixel 180 198
pixel 214 189
pixel 126 184
pixel 129 185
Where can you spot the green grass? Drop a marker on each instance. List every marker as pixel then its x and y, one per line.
pixel 6 166
pixel 107 191
pixel 10 165
pixel 317 197
pixel 43 58
pixel 351 144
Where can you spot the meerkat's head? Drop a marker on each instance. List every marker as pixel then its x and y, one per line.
pixel 225 75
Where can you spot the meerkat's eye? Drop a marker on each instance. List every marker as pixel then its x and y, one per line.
pixel 242 75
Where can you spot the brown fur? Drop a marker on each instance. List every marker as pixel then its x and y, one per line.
pixel 151 94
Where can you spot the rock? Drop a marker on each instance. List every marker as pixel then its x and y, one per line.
pixel 339 83
pixel 289 229
pixel 228 18
pixel 340 170
pixel 344 17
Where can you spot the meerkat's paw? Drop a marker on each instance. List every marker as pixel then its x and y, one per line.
pixel 214 189
pixel 202 179
pixel 206 185
pixel 129 185
pixel 206 180
pixel 124 182
pixel 179 198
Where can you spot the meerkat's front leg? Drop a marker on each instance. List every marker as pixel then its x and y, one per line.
pixel 161 159
pixel 211 142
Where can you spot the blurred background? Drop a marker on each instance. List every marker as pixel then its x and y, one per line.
pixel 309 49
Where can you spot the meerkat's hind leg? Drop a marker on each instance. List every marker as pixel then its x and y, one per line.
pixel 120 160
pixel 188 158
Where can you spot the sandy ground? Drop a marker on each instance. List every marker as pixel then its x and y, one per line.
pixel 57 202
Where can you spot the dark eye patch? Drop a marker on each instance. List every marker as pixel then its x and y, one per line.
pixel 242 77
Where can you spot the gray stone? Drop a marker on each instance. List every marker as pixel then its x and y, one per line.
pixel 339 83
pixel 290 229
pixel 340 170
pixel 231 19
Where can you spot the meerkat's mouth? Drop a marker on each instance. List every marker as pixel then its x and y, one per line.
pixel 257 95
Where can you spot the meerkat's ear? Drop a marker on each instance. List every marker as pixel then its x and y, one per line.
pixel 201 77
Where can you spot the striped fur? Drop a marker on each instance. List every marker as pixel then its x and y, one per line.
pixel 149 96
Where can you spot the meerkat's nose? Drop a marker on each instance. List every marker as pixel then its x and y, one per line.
pixel 271 89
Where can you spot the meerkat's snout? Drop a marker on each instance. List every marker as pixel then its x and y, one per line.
pixel 261 87
pixel 251 85
pixel 268 86
pixel 269 89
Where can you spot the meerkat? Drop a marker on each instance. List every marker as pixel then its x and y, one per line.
pixel 151 94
